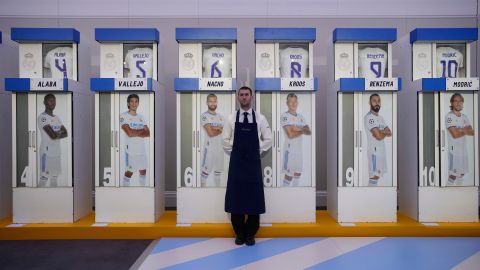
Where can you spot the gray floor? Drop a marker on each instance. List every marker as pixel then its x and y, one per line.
pixel 71 254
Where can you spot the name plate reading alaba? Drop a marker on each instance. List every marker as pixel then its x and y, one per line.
pixel 462 84
pixel 381 84
pixel 131 84
pixel 297 84
pixel 46 84
pixel 213 84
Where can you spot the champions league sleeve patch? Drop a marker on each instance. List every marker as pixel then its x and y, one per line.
pixel 122 120
pixel 449 120
pixel 371 121
pixel 43 119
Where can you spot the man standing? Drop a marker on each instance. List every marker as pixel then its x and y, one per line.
pixel 136 129
pixel 458 127
pixel 377 130
pixel 51 130
pixel 294 126
pixel 212 158
pixel 246 135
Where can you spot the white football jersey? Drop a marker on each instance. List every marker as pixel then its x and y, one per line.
pixel 294 145
pixel 449 60
pixel 456 146
pixel 294 62
pixel 373 62
pixel 134 145
pixel 49 146
pixel 216 120
pixel 371 121
pixel 59 61
pixel 217 63
pixel 139 61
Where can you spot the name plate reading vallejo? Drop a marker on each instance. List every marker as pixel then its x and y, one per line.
pixel 296 84
pixel 131 84
pixel 46 84
pixel 462 84
pixel 212 84
pixel 381 84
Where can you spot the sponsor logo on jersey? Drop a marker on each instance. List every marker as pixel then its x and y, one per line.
pixel 375 56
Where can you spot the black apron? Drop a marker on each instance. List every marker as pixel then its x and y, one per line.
pixel 245 186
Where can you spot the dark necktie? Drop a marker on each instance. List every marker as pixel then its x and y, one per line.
pixel 245 117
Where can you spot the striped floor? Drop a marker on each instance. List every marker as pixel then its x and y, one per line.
pixel 314 253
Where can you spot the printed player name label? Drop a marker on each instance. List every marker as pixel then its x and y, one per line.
pixel 299 84
pixel 462 84
pixel 381 84
pixel 131 84
pixel 224 84
pixel 46 84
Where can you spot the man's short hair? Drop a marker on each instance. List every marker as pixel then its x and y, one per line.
pixel 211 95
pixel 132 96
pixel 373 95
pixel 291 95
pixel 48 96
pixel 246 88
pixel 453 97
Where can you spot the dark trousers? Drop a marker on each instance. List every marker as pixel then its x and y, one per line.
pixel 245 225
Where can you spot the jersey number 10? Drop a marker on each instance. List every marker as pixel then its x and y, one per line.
pixel 450 66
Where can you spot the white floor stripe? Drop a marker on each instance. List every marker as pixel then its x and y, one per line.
pixel 312 254
pixel 190 252
pixel 144 255
pixel 473 262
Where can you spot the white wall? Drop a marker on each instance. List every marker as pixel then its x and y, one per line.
pixel 238 8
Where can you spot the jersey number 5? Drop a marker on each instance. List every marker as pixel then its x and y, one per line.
pixel 139 66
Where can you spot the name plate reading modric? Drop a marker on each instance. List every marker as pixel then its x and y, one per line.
pixel 462 84
pixel 212 84
pixel 381 84
pixel 47 84
pixel 297 84
pixel 131 84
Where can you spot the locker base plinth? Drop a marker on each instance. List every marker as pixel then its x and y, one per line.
pixel 448 204
pixel 201 205
pixel 43 205
pixel 125 205
pixel 289 205
pixel 367 204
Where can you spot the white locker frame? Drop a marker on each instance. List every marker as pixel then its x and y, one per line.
pixel 277 197
pixel 421 197
pixel 196 204
pixel 356 203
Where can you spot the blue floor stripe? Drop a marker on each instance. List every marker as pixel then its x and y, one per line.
pixel 170 243
pixel 407 253
pixel 245 255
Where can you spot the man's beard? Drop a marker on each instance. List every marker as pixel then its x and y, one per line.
pixel 212 108
pixel 375 108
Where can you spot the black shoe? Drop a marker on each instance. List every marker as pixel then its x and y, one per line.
pixel 239 241
pixel 250 241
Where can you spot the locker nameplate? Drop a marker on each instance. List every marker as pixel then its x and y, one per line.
pixel 47 84
pixel 297 84
pixel 462 84
pixel 212 84
pixel 131 84
pixel 381 84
